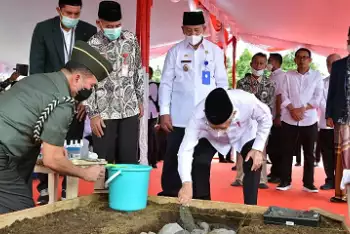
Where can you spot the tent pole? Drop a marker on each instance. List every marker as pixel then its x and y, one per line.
pixel 234 46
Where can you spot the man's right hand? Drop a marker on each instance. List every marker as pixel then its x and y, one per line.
pixel 165 123
pixel 185 193
pixel 330 123
pixel 277 122
pixel 97 126
pixel 93 173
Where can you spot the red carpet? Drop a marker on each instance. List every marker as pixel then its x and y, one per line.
pixel 222 176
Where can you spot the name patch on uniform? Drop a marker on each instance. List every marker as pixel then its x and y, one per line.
pixel 206 77
pixel 186 61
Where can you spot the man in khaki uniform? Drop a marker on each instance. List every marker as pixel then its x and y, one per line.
pixel 36 112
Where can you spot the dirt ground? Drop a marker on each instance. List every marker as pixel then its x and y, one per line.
pixel 97 218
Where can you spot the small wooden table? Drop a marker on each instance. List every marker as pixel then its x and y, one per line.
pixel 72 182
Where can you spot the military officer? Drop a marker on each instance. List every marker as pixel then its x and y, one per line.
pixel 36 112
pixel 192 68
pixel 226 119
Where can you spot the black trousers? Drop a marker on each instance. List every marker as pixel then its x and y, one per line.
pixel 75 132
pixel 170 180
pixel 152 142
pixel 227 157
pixel 307 136
pixel 119 143
pixel 297 151
pixel 326 140
pixel 318 149
pixel 15 180
pixel 202 157
pixel 275 151
pixel 161 143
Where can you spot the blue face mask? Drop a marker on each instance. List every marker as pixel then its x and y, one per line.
pixel 112 33
pixel 69 22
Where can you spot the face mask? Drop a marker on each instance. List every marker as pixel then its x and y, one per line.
pixel 83 94
pixel 112 33
pixel 194 39
pixel 269 67
pixel 257 72
pixel 69 22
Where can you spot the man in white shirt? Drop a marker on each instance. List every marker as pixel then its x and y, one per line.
pixel 192 69
pixel 301 95
pixel 227 118
pixel 274 147
pixel 326 134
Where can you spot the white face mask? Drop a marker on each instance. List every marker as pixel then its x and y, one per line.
pixel 257 72
pixel 194 39
pixel 269 67
pixel 349 49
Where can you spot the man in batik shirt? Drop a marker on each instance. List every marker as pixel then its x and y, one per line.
pixel 264 89
pixel 115 105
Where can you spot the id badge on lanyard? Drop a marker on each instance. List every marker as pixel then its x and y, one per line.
pixel 206 72
pixel 68 52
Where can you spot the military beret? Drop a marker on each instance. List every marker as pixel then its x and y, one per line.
pixel 84 54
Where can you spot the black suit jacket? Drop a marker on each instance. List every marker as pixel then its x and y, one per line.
pixel 336 100
pixel 47 47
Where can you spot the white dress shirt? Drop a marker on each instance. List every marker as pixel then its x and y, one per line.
pixel 153 93
pixel 323 122
pixel 180 91
pixel 252 120
pixel 68 40
pixel 300 90
pixel 277 76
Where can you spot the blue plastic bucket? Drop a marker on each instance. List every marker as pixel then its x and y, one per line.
pixel 128 191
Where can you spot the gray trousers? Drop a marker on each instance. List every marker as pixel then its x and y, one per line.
pixel 15 180
pixel 240 173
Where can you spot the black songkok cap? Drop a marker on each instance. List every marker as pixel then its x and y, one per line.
pixel 110 11
pixel 84 54
pixel 218 106
pixel 193 18
pixel 70 2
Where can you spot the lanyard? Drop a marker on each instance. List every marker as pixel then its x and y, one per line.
pixel 68 52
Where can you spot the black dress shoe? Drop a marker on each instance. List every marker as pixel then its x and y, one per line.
pixel 43 199
pixel 236 183
pixel 263 186
pixel 154 166
pixel 274 180
pixel 222 160
pixel 327 187
pixel 338 200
